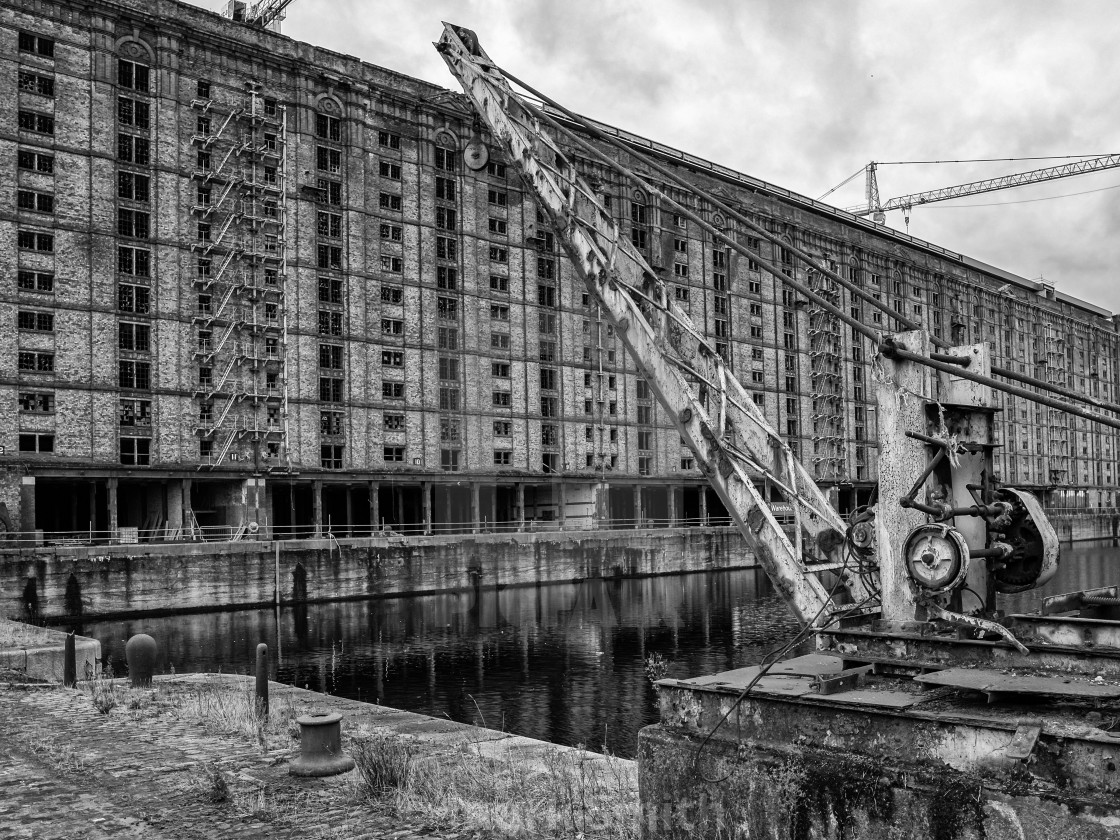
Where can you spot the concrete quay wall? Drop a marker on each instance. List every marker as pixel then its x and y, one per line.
pixel 101 581
pixel 1078 527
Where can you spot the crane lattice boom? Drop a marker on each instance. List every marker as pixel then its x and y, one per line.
pixel 1035 176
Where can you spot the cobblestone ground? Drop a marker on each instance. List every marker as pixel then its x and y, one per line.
pixel 67 771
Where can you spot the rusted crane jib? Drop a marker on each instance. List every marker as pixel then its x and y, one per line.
pixel 729 436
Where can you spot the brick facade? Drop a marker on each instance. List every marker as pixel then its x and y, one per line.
pixel 262 269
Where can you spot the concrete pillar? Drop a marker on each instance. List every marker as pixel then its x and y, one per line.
pixel 475 514
pixel 563 504
pixel 27 505
pixel 349 510
pixel 92 524
pixel 374 507
pixel 672 497
pixel 426 500
pixel 174 507
pixel 112 484
pixel 317 507
pixel 602 503
pixel 258 504
pixel 703 506
pixel 520 506
pixel 638 517
pixel 188 511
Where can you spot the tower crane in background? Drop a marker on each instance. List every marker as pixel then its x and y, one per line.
pixel 265 14
pixel 877 209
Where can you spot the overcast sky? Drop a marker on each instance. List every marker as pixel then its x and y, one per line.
pixel 803 93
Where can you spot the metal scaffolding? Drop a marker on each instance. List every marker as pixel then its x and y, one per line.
pixel 241 321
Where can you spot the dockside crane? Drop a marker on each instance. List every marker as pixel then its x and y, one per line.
pixel 943 540
pixel 900 599
pixel 877 209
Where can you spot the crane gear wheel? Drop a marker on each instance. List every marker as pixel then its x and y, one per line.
pixel 1034 542
pixel 936 558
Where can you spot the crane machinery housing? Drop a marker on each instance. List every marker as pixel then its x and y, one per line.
pixel 926 707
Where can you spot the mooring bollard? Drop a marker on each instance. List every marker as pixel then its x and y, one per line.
pixel 140 654
pixel 69 663
pixel 320 743
pixel 262 680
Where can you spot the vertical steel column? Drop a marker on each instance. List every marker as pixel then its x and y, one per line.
pixel 902 391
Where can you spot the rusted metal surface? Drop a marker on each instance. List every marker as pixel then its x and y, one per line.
pixel 899 390
pixel 997 684
pixel 1024 740
pixel 845 680
pixel 714 414
pixel 1071 601
pixel 928 650
pixel 1099 636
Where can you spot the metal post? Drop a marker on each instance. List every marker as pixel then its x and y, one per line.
pixel 901 392
pixel 70 663
pixel 262 680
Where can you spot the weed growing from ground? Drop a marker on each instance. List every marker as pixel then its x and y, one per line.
pixel 214 784
pixel 383 762
pixel 103 693
pixel 559 794
pixel 61 756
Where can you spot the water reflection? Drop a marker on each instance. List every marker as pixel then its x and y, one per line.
pixel 562 663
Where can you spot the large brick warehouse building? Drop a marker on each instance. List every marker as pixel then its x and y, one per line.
pixel 249 287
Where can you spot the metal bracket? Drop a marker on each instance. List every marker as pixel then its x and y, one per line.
pixel 1024 739
pixel 842 681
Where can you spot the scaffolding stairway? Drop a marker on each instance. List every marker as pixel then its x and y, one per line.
pixel 825 353
pixel 241 213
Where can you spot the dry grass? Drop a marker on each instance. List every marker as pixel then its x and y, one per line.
pixel 234 711
pixel 560 794
pixel 482 786
pixel 54 752
pixel 15 635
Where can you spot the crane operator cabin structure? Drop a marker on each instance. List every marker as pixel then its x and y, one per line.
pixel 253 282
